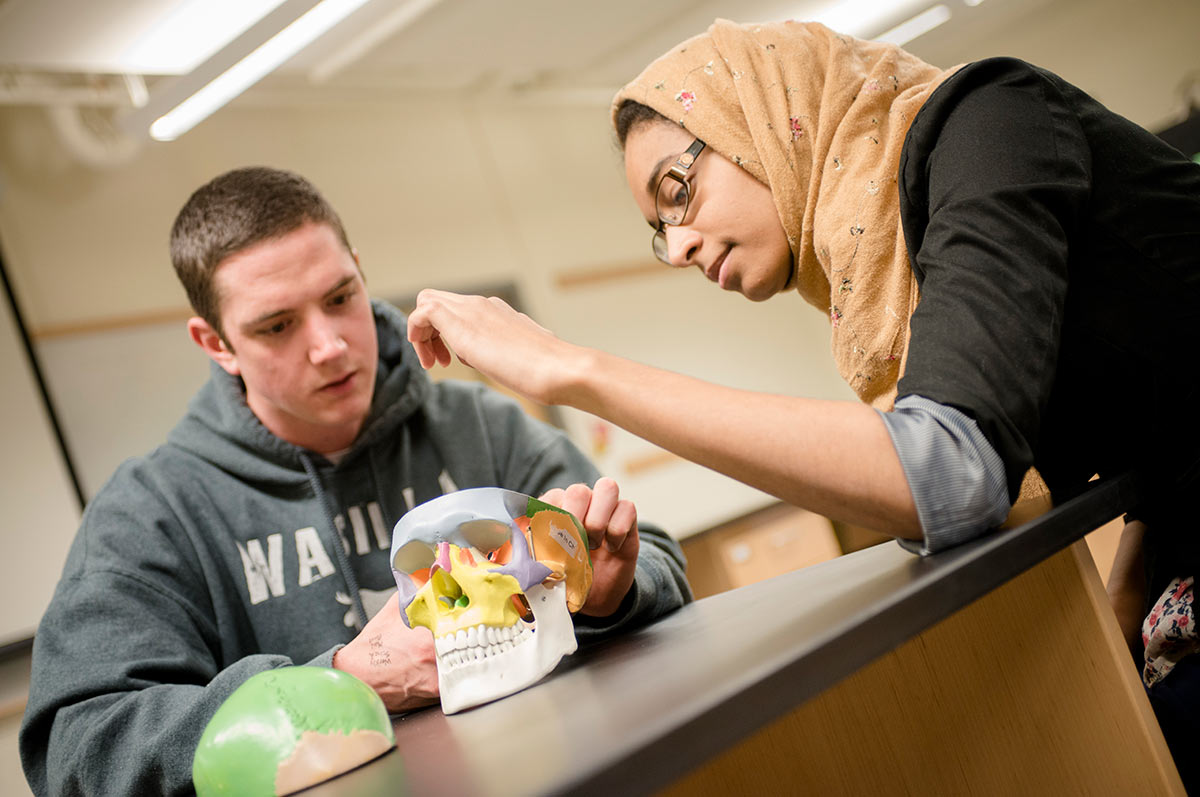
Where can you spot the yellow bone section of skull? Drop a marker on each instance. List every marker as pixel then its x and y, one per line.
pixel 470 594
pixel 555 542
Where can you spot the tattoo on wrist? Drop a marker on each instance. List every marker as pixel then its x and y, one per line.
pixel 378 655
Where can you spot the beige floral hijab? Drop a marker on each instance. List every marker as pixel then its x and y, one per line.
pixel 820 118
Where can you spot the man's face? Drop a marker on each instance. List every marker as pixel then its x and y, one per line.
pixel 301 334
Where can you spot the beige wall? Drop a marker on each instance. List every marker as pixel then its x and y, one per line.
pixel 1132 56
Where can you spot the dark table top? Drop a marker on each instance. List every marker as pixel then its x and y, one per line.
pixel 632 714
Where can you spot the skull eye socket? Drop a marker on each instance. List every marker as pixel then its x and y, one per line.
pixel 414 556
pixel 485 534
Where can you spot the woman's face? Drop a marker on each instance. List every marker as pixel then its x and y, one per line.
pixel 731 232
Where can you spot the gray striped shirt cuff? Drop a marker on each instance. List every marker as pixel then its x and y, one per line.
pixel 957 479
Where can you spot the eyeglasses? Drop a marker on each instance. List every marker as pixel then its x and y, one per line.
pixel 672 197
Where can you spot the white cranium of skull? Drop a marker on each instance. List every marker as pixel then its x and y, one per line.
pixel 495 575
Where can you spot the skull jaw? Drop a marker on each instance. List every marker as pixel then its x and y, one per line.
pixel 481 681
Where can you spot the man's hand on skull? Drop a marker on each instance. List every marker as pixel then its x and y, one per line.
pixel 611 525
pixel 398 662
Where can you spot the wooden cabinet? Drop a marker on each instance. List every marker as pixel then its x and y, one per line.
pixel 766 543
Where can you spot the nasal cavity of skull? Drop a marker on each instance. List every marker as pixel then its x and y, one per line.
pixel 461 603
pixel 448 590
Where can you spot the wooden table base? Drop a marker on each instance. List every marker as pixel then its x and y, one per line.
pixel 1028 690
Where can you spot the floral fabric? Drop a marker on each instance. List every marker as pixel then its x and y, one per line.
pixel 820 118
pixel 1169 631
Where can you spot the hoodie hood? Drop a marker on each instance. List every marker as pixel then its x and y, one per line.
pixel 220 428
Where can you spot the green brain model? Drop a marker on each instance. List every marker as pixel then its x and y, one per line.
pixel 287 729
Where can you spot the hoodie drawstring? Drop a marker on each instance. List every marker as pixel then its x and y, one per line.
pixel 382 494
pixel 334 539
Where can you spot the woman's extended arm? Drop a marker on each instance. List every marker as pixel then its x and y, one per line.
pixel 832 457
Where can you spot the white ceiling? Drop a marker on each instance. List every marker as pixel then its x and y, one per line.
pixel 108 36
pixel 49 46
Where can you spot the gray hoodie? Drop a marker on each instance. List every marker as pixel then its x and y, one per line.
pixel 217 556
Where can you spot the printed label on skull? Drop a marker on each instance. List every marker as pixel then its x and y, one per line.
pixel 564 538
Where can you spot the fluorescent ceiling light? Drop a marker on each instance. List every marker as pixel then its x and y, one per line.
pixel 251 69
pixel 136 86
pixel 920 24
pixel 192 31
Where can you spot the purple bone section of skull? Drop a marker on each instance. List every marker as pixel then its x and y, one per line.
pixel 408 590
pixel 523 567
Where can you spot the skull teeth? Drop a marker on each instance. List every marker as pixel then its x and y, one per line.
pixel 478 643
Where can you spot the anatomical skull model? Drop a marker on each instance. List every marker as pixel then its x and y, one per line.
pixel 495 575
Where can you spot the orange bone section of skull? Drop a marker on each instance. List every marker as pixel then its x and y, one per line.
pixel 554 541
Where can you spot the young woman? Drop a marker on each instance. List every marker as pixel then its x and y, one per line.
pixel 1011 273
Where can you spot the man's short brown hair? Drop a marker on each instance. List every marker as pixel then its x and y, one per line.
pixel 232 212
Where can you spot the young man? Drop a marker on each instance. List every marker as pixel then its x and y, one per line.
pixel 259 535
